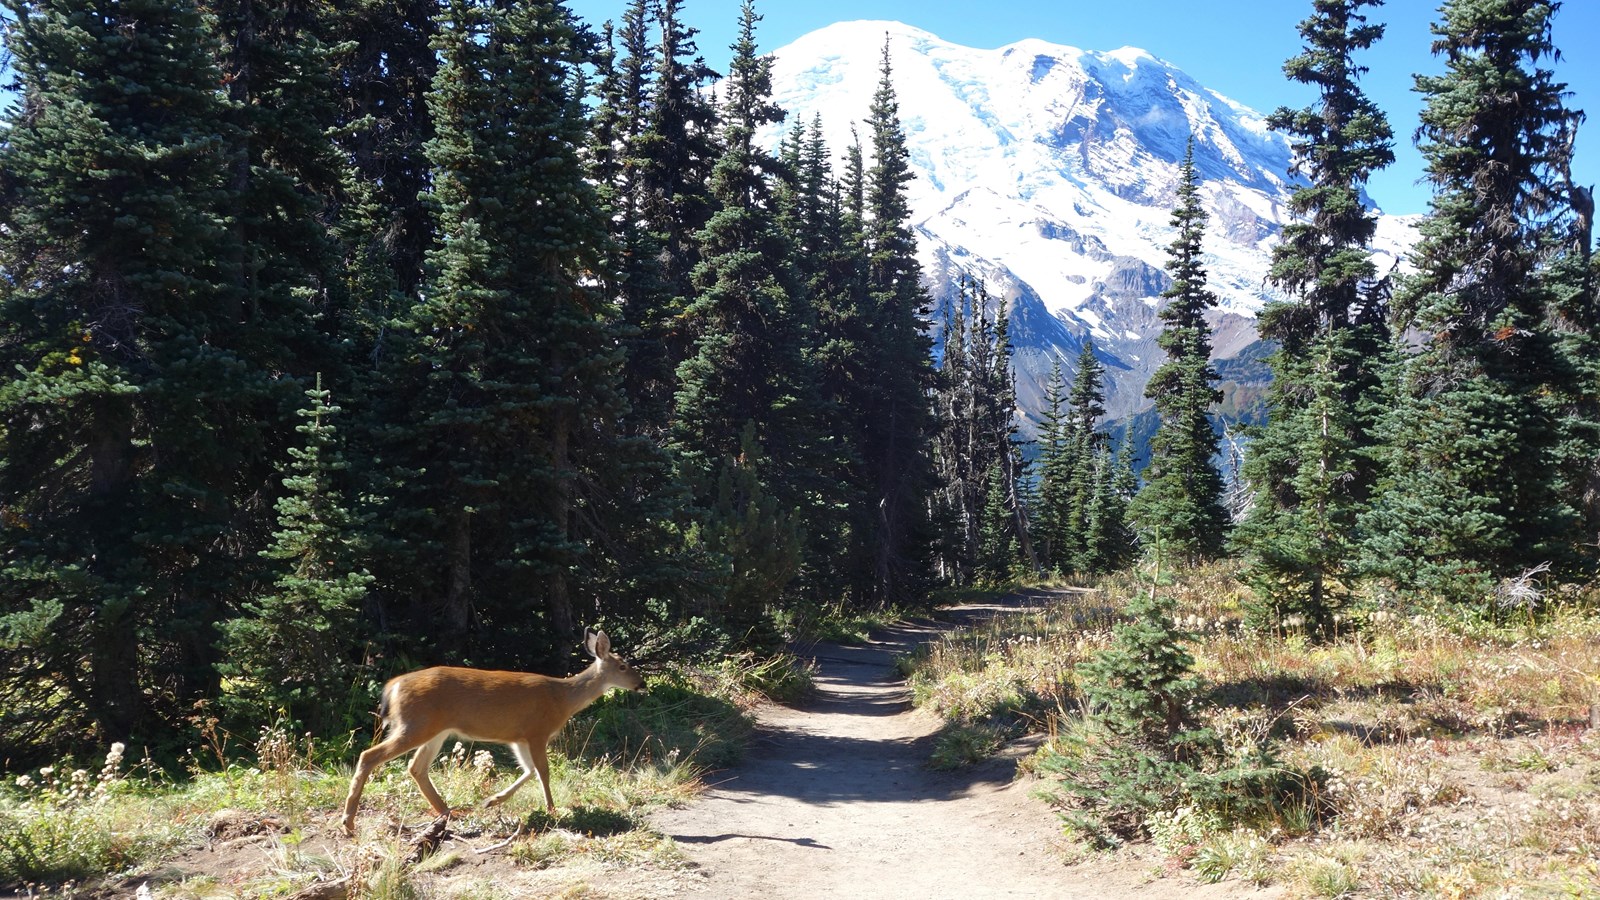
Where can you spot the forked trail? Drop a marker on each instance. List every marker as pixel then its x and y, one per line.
pixel 835 800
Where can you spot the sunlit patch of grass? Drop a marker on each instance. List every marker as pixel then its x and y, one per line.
pixel 841 624
pixel 1406 708
pixel 962 745
pixel 59 825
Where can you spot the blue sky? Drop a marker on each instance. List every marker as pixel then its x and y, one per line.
pixel 1236 47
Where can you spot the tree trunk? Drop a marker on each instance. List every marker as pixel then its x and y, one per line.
pixel 456 615
pixel 558 598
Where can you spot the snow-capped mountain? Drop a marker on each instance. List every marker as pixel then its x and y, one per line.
pixel 1051 173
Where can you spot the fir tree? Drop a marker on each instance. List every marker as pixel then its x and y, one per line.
pixel 826 233
pixel 998 555
pixel 509 359
pixel 1054 467
pixel 1109 543
pixel 1087 452
pixel 745 383
pixel 975 403
pixel 1140 692
pixel 895 416
pixel 1182 494
pixel 291 652
pixel 1311 465
pixel 383 70
pixel 674 156
pixel 745 367
pixel 1475 491
pixel 141 410
pixel 619 161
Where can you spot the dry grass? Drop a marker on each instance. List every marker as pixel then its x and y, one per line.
pixel 1459 756
pixel 75 833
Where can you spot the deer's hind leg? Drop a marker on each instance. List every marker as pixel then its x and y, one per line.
pixel 396 744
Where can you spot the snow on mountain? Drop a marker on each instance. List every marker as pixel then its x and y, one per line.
pixel 1051 172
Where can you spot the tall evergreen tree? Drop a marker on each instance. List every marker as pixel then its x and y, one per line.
pixel 143 405
pixel 619 162
pixel 896 421
pixel 509 357
pixel 1182 494
pixel 674 155
pixel 745 366
pixel 1475 491
pixel 1088 456
pixel 974 445
pixel 1054 467
pixel 1110 543
pixel 384 67
pixel 745 393
pixel 1312 464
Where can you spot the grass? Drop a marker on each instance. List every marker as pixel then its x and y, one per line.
pixel 67 830
pixel 1457 752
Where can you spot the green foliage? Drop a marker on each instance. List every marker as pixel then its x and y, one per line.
pixel 142 334
pixel 978 507
pixel 291 653
pixel 895 417
pixel 998 555
pixel 1182 494
pixel 1312 463
pixel 1140 751
pixel 1084 485
pixel 1475 489
pixel 671 723
pixel 756 546
pixel 71 825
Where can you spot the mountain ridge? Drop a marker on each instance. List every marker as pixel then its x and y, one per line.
pixel 1049 171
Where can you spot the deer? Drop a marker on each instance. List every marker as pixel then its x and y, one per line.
pixel 520 709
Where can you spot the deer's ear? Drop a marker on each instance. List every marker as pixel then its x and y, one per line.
pixel 599 644
pixel 588 641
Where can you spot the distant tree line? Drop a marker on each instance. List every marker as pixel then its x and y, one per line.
pixel 342 339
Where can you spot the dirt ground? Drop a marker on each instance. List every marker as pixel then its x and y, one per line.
pixel 834 799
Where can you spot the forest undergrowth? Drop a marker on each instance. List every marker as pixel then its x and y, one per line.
pixel 1436 754
pixel 98 830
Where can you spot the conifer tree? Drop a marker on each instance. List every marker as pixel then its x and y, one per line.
pixel 674 154
pixel 896 417
pixel 1182 494
pixel 508 355
pixel 974 404
pixel 831 249
pixel 745 384
pixel 745 366
pixel 1141 691
pixel 383 69
pixel 619 161
pixel 1475 489
pixel 1109 543
pixel 1312 464
pixel 1087 452
pixel 140 407
pixel 291 652
pixel 998 554
pixel 1054 466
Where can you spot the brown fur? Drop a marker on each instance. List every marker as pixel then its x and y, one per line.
pixel 523 710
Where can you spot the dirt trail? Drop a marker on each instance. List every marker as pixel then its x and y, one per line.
pixel 835 800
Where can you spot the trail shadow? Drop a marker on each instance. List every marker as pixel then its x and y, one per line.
pixel 795 758
pixel 719 838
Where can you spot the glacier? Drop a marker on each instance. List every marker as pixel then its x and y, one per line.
pixel 1050 172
